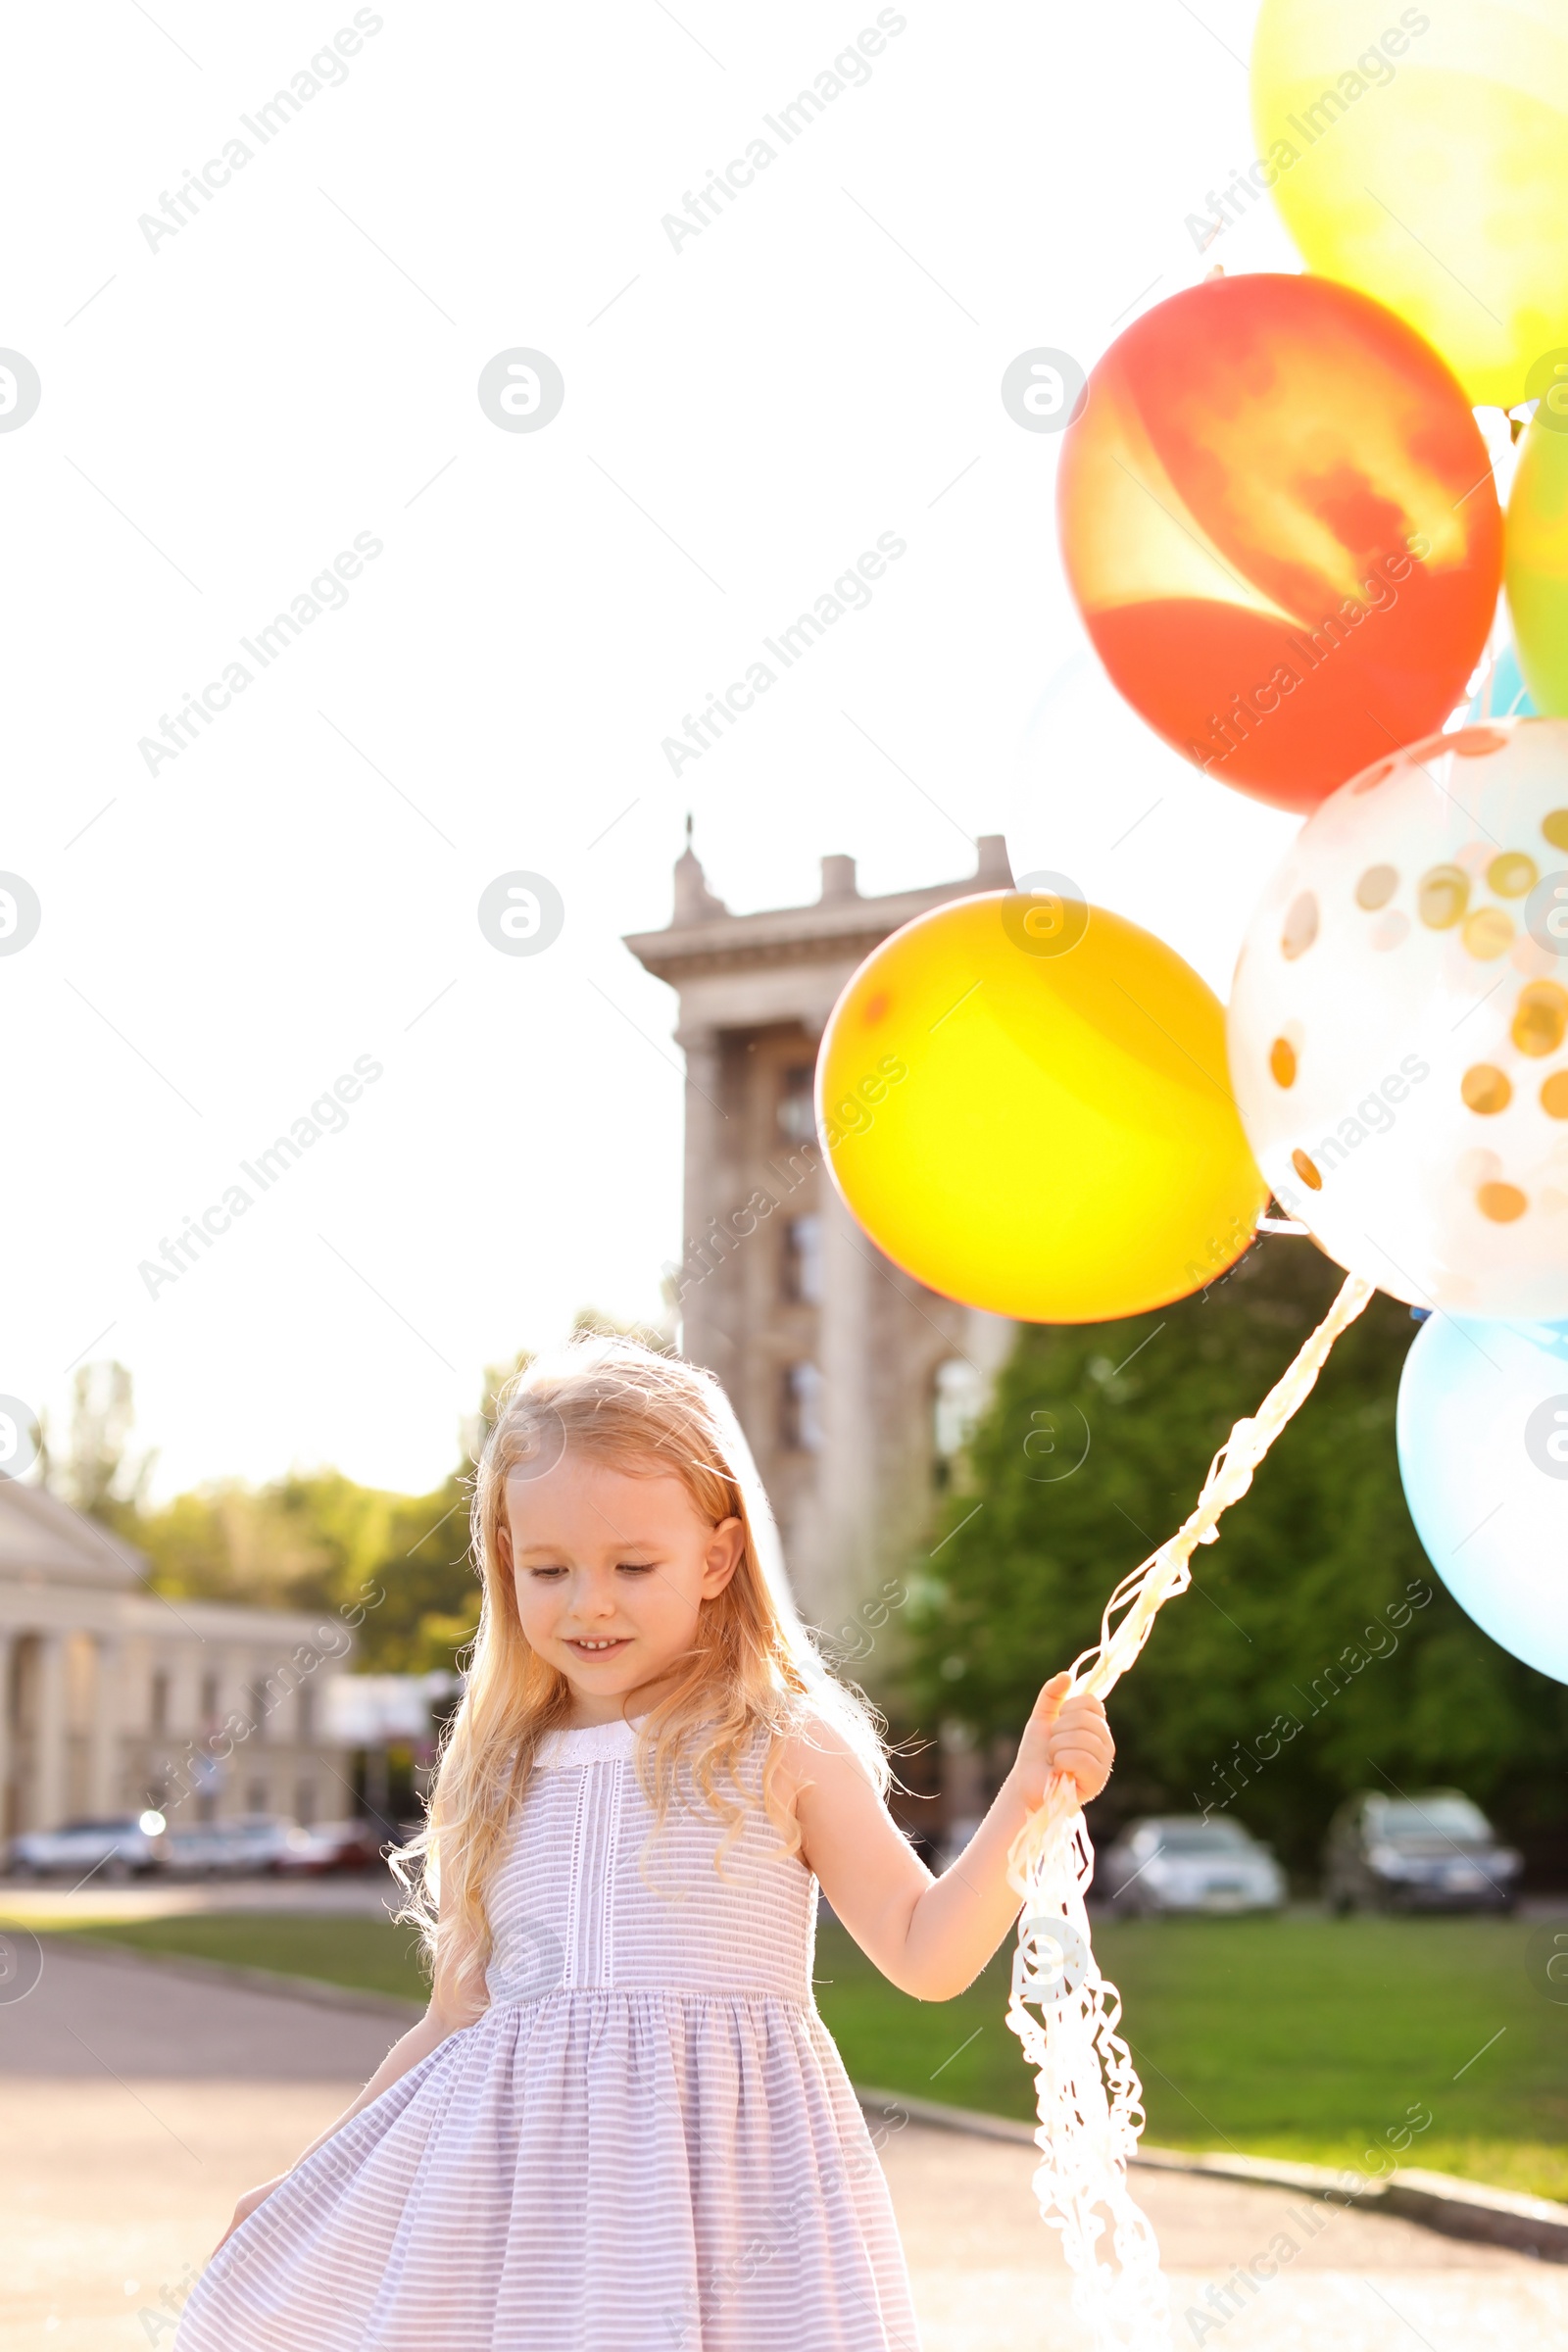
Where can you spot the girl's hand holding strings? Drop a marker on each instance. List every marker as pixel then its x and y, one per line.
pixel 931 1936
pixel 1065 1734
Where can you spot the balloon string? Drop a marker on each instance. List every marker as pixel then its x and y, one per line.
pixel 1141 1596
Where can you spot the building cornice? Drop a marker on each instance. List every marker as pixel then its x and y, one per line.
pixel 834 931
pixel 41 1605
pixel 42 1536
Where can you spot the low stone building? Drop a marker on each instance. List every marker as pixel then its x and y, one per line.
pixel 852 1380
pixel 112 1699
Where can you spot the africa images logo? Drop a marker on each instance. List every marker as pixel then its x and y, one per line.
pixel 1546 1436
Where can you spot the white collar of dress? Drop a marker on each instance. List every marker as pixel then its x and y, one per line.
pixel 590 1743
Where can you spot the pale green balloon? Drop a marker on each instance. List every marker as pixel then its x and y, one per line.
pixel 1536 562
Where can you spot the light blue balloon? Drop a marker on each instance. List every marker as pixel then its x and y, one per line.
pixel 1503 693
pixel 1483 1438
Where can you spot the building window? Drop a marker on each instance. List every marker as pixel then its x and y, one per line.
pixel 305 1803
pixel 803 1261
pixel 256 1797
pixel 306 1717
pixel 958 1403
pixel 802 1409
pixel 160 1702
pixel 797 1112
pixel 208 1701
pixel 256 1708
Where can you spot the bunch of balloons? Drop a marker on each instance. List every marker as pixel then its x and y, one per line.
pixel 1398 1019
pixel 1279 520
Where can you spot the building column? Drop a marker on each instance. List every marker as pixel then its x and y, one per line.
pixel 700 1332
pixel 963 1789
pixel 847 1476
pixel 229 1763
pixel 8 1740
pixel 49 1734
pixel 103 1731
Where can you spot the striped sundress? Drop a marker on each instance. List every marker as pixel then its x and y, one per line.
pixel 647 2143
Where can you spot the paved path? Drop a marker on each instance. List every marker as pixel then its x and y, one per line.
pixel 138 2102
pixel 372 1894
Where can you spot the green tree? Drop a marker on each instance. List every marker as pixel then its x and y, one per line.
pixel 1273 1650
pixel 395 1565
pixel 398 1566
pixel 324 1543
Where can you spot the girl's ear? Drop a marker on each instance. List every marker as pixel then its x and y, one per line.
pixel 722 1556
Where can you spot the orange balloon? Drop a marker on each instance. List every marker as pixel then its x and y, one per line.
pixel 1278 519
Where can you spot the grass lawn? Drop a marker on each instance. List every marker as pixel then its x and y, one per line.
pixel 1301 2036
pixel 369 1954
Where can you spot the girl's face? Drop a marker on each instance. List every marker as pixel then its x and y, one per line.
pixel 611 1571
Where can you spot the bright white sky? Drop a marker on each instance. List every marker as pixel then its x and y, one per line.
pixel 298 366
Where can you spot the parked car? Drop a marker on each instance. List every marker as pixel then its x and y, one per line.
pixel 239 1848
pixel 330 1845
pixel 128 1845
pixel 1435 1851
pixel 1181 1862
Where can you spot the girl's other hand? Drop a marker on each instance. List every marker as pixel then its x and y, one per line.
pixel 1065 1734
pixel 247 2206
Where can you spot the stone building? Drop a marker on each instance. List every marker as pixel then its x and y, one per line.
pixel 852 1381
pixel 112 1699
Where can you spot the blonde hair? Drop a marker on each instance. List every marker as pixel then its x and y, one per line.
pixel 753 1663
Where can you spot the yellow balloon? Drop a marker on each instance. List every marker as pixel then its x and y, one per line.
pixel 1422 155
pixel 1535 559
pixel 1025 1102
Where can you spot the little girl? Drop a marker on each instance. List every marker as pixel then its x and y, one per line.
pixel 622 2124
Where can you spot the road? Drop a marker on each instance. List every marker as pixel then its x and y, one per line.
pixel 139 2101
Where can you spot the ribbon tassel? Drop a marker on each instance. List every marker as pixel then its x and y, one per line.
pixel 1063 2011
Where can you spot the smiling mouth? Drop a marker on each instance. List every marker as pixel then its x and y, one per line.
pixel 597 1649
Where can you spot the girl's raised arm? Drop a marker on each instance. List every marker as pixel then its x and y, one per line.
pixel 932 1936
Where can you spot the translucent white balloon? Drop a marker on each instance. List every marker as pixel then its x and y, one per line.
pixel 1398 1019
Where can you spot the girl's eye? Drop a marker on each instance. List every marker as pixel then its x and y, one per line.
pixel 636 1567
pixel 547 1572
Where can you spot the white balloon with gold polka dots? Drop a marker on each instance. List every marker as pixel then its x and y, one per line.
pixel 1397 1030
